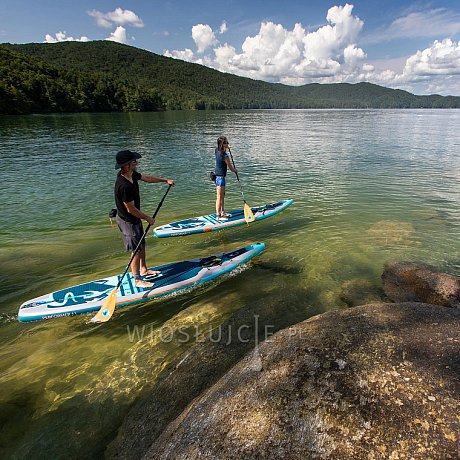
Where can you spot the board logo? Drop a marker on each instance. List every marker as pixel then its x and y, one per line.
pixel 186 224
pixel 76 295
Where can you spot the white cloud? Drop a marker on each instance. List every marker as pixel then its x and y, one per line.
pixel 278 54
pixel 118 17
pixel 203 36
pixel 272 50
pixel 442 58
pixel 223 27
pixel 368 68
pixel 224 55
pixel 435 69
pixel 119 35
pixel 447 86
pixel 328 41
pixel 353 56
pixel 330 54
pixel 61 37
pixel 431 23
pixel 184 55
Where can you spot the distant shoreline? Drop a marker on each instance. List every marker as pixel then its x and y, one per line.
pixel 104 76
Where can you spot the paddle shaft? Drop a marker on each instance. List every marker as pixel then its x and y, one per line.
pixel 241 185
pixel 143 238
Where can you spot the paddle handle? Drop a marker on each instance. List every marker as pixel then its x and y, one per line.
pixel 143 238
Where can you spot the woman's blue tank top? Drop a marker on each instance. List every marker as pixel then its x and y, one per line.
pixel 221 166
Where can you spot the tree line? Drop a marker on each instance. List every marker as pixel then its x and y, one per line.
pixel 105 76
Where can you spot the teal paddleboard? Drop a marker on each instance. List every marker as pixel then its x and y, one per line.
pixel 210 222
pixel 174 277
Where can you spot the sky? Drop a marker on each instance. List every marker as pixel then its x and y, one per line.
pixel 410 45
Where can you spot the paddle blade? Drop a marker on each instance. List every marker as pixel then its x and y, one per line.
pixel 248 214
pixel 107 308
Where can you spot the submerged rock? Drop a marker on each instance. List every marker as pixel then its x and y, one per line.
pixel 391 233
pixel 409 282
pixel 360 291
pixel 376 381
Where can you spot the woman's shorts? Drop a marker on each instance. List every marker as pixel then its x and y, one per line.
pixel 131 234
pixel 220 181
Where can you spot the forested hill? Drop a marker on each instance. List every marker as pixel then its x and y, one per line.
pixel 108 76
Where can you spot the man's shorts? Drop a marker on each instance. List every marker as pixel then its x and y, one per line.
pixel 131 234
pixel 220 181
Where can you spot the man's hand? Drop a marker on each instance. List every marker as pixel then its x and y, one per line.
pixel 169 181
pixel 150 220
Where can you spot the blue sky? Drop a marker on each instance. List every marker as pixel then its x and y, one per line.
pixel 412 45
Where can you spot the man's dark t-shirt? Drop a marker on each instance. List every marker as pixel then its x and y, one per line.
pixel 125 191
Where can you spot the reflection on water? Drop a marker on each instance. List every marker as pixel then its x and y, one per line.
pixel 369 187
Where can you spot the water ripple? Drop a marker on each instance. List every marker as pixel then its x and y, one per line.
pixel 369 186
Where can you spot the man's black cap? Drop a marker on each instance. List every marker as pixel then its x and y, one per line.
pixel 125 156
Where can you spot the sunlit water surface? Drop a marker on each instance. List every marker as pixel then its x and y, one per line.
pixel 369 187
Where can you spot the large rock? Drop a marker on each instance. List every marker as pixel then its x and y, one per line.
pixel 202 366
pixel 409 282
pixel 377 381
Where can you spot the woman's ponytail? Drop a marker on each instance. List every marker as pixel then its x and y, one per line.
pixel 220 142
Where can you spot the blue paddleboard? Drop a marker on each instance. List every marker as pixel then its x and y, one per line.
pixel 173 278
pixel 210 222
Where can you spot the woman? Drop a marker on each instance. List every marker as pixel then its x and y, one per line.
pixel 222 163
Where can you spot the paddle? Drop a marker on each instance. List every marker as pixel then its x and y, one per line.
pixel 108 307
pixel 248 214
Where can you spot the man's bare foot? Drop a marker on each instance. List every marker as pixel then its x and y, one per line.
pixel 150 273
pixel 140 283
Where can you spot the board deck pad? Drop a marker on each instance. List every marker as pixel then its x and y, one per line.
pixel 174 277
pixel 210 222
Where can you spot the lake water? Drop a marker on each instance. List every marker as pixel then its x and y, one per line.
pixel 370 186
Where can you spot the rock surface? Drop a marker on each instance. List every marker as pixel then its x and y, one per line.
pixel 203 365
pixel 376 381
pixel 409 282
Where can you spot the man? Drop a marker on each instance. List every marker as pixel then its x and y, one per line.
pixel 129 214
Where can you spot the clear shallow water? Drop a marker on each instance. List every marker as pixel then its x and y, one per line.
pixel 369 187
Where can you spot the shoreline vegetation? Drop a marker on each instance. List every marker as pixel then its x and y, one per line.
pixel 104 76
